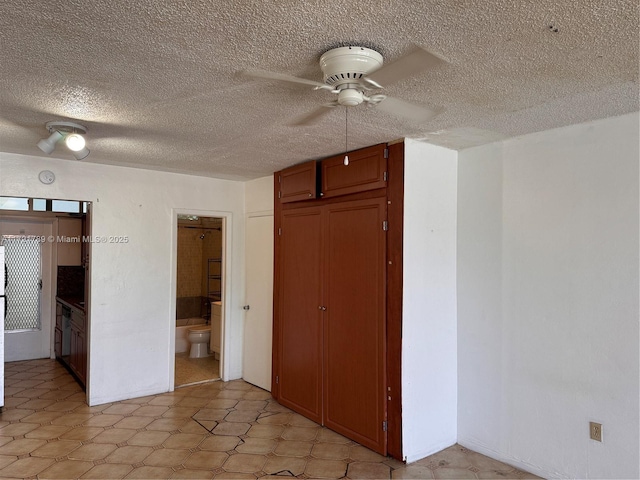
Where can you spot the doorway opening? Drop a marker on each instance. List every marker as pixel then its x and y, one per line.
pixel 199 299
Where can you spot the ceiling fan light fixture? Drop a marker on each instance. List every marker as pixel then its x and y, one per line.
pixel 47 145
pixel 75 142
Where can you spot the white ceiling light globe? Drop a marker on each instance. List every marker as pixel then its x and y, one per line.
pixel 75 142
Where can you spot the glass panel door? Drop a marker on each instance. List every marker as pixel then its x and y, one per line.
pixel 23 269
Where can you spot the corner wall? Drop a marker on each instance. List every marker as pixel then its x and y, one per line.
pixel 429 343
pixel 548 261
pixel 132 322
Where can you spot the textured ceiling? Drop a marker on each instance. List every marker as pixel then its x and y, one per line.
pixel 157 82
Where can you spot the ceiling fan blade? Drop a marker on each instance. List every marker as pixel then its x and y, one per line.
pixel 417 60
pixel 313 116
pixel 406 110
pixel 284 78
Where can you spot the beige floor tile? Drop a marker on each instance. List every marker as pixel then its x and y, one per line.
pixel 253 405
pixel 260 446
pixel 18 429
pixel 233 429
pixel 42 417
pixel 21 446
pixel 368 470
pixel 216 414
pixel 219 444
pixel 325 468
pixel 181 412
pixel 329 436
pixel 233 394
pixel 7 460
pixel 37 404
pixel 82 433
pixel 245 463
pixel 151 410
pixel 150 472
pixel 108 471
pixel 191 426
pixel 114 435
pixel 330 451
pixel 12 402
pixel 257 395
pixel 265 431
pixel 71 419
pixel 275 419
pixel 453 473
pixel 300 421
pixel 104 420
pixel 167 400
pixel 285 465
pixel 129 455
pixel 14 415
pixel 167 424
pixel 56 449
pixel 26 467
pixel 417 472
pixel 121 409
pixel 134 422
pixel 66 469
pixel 148 438
pixel 221 403
pixel 64 406
pixel 293 448
pixel 301 433
pixel 167 457
pixel 189 473
pixel 206 460
pixel 92 451
pixel 234 475
pixel 238 385
pixel 242 416
pixel 48 432
pixel 184 440
pixel 187 401
pixel 363 454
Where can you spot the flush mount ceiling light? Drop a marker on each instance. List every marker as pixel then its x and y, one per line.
pixel 71 132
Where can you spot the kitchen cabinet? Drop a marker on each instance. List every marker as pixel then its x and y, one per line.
pixel 78 356
pixel 69 244
pixel 70 343
pixel 330 302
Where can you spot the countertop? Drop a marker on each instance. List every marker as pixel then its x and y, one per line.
pixel 76 303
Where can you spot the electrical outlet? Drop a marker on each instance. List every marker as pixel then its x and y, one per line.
pixel 595 431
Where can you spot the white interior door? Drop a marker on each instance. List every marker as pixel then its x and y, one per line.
pixel 31 340
pixel 258 323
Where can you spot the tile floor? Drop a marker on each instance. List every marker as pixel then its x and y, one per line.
pixel 194 370
pixel 212 430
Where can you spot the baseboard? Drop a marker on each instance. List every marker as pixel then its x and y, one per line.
pixel 415 456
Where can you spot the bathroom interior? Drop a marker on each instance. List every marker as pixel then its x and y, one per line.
pixel 199 291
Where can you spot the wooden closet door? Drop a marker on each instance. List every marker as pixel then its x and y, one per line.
pixel 354 323
pixel 300 345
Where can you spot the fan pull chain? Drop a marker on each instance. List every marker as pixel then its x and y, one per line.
pixel 346 123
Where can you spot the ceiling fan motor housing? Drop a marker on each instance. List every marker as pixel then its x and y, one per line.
pixel 346 64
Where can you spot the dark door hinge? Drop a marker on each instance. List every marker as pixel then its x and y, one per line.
pixel 279 179
pixel 385 225
pixel 385 176
pixel 384 426
pixel 386 153
pixel 279 231
pixel 279 194
pixel 277 379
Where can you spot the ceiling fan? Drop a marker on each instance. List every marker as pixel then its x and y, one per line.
pixel 354 73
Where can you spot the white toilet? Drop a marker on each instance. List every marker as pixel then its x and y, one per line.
pixel 199 338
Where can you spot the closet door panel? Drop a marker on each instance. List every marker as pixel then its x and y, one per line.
pixel 300 371
pixel 354 332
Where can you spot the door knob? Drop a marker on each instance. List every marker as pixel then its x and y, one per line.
pixel 246 307
pixel 321 307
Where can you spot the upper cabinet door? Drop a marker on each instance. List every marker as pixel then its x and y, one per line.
pixel 298 182
pixel 366 171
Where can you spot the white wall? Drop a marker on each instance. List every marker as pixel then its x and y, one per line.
pixel 132 318
pixel 548 300
pixel 429 346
